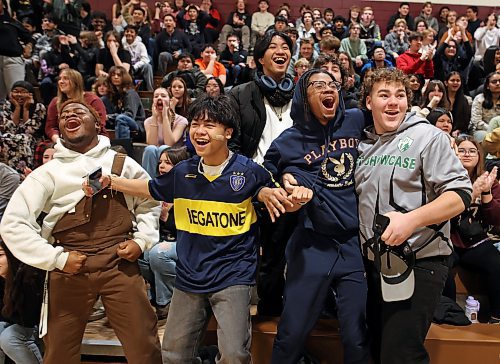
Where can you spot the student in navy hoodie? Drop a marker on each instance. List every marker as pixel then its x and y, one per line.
pixel 319 152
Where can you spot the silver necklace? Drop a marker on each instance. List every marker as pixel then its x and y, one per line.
pixel 278 114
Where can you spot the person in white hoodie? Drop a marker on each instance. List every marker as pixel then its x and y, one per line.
pixel 89 245
pixel 141 66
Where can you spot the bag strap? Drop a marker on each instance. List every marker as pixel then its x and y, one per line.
pixel 118 162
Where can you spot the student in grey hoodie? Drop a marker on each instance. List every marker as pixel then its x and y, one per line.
pixel 406 171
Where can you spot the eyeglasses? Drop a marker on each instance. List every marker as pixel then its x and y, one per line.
pixel 321 85
pixel 496 81
pixel 472 152
pixel 450 46
pixel 304 67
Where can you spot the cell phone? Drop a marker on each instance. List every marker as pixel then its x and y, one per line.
pixel 93 180
pixel 380 223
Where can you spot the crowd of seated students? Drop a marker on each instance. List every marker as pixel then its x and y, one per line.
pixel 453 62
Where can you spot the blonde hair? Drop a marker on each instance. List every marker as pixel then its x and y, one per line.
pixel 76 81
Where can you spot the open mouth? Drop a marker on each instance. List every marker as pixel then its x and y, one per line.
pixel 159 105
pixel 202 142
pixel 279 60
pixel 72 124
pixel 392 112
pixel 328 102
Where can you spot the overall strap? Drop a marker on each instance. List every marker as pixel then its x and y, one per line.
pixel 118 162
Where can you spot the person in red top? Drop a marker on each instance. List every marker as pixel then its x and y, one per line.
pixel 413 62
pixel 208 64
pixel 70 86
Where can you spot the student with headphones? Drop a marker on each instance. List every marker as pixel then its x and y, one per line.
pixel 264 105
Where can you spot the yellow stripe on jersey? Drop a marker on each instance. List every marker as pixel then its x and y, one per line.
pixel 213 218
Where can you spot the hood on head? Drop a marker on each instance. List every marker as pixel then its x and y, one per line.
pixel 300 112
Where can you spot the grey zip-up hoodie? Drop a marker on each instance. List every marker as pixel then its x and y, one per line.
pixel 404 170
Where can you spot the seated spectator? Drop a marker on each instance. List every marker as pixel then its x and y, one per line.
pixel 194 27
pixel 460 105
pixel 112 54
pixel 487 36
pixel 233 58
pixel 442 16
pixel 328 16
pixel 449 58
pixel 70 86
pixel 101 86
pixel 280 24
pixel 178 5
pixel 179 96
pixel 354 15
pixel 473 21
pixel 443 120
pixel 211 30
pixel 369 31
pixel 306 29
pixel 317 14
pixel 209 65
pixel 293 34
pixel 22 291
pixel 403 13
pixel 301 66
pixel 284 12
pixel 421 25
pixel 433 97
pixel 485 106
pixel 299 21
pixel 340 30
pixel 194 79
pixel 9 181
pixel 261 21
pixel 44 43
pixel 396 41
pixel 66 14
pixel 85 14
pixel 58 59
pixel 214 87
pixel 469 230
pixel 20 120
pixel 329 44
pixel 451 21
pixel 48 151
pixel 164 129
pixel 353 82
pixel 116 15
pixel 491 144
pixel 426 15
pixel 412 61
pixel 238 21
pixel 354 46
pixel 417 83
pixel 139 59
pixel 158 264
pixel 143 28
pixel 479 69
pixel 162 8
pixel 170 44
pixel 27 50
pixel 100 25
pixel 86 49
pixel 306 51
pixel 128 112
pixel 428 42
pixel 318 24
pixel 377 60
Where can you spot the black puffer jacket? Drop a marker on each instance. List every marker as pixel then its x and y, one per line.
pixel 250 102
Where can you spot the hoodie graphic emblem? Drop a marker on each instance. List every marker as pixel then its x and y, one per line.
pixel 405 144
pixel 343 169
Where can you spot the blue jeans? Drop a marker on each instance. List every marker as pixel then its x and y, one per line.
pixel 19 343
pixel 151 157
pixel 158 268
pixel 189 315
pixel 123 125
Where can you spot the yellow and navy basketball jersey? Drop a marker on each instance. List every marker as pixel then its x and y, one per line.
pixel 217 234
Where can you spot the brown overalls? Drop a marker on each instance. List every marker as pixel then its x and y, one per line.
pixel 95 228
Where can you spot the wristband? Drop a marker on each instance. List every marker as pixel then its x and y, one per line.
pixel 487 193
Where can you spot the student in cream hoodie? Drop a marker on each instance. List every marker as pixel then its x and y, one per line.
pixel 89 245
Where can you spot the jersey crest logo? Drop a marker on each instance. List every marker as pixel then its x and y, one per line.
pixel 237 181
pixel 405 144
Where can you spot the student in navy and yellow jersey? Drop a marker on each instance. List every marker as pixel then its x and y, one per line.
pixel 323 253
pixel 217 234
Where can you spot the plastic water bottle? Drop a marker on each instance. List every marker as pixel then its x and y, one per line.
pixel 471 309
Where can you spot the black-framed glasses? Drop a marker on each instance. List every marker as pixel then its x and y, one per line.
pixel 495 81
pixel 321 85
